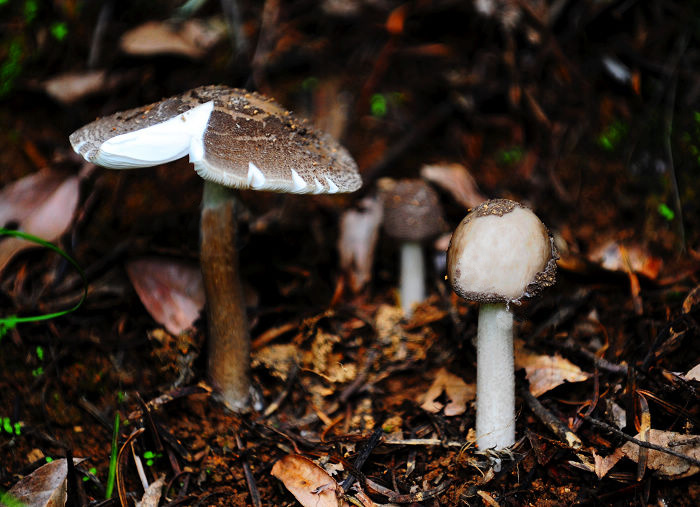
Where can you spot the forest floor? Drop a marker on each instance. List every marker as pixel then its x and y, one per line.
pixel 587 112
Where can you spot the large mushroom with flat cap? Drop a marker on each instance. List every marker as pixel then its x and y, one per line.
pixel 235 139
pixel 500 254
pixel 412 216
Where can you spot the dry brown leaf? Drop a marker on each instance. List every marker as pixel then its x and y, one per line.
pixel 329 362
pixel 192 38
pixel 615 257
pixel 456 389
pixel 692 301
pixel 19 199
pixel 279 359
pixel 546 372
pixel 45 486
pixel 604 464
pixel 693 374
pixel 310 484
pixel 47 215
pixel 455 179
pixel 359 231
pixel 72 86
pixel 171 290
pixel 664 464
pixel 152 495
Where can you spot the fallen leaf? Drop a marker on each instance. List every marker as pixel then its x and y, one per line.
pixel 45 486
pixel 152 495
pixel 191 38
pixel 615 257
pixel 604 464
pixel 359 231
pixel 667 465
pixel 44 210
pixel 692 301
pixel 310 484
pixel 279 359
pixel 172 291
pixel 73 86
pixel 616 414
pixel 19 199
pixel 693 373
pixel 456 389
pixel 546 372
pixel 455 179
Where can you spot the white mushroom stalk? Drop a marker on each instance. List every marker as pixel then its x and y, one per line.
pixel 495 378
pixel 235 139
pixel 412 276
pixel 499 254
pixel 412 216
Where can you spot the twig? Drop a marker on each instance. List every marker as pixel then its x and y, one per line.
pixel 250 479
pixel 426 442
pixel 361 378
pixel 148 423
pixel 559 429
pixel 121 486
pixel 362 456
pixel 640 443
pixel 291 378
pixel 548 419
pixel 420 496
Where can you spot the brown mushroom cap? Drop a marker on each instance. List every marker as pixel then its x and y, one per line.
pixel 501 253
pixel 234 138
pixel 412 210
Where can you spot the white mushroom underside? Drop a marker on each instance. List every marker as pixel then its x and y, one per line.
pixel 256 179
pixel 184 135
pixel 158 144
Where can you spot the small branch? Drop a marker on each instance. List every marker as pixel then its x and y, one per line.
pixel 250 479
pixel 362 456
pixel 640 443
pixel 420 496
pixel 553 423
pixel 427 442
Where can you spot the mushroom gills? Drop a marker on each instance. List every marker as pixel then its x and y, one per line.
pixel 164 142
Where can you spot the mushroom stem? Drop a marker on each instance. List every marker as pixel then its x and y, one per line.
pixel 495 378
pixel 412 277
pixel 229 341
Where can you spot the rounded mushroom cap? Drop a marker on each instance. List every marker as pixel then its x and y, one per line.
pixel 233 137
pixel 501 253
pixel 412 210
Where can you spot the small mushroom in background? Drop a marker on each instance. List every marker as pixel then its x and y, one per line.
pixel 235 139
pixel 499 254
pixel 412 215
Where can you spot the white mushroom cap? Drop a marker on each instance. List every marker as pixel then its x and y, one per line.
pixel 501 252
pixel 233 137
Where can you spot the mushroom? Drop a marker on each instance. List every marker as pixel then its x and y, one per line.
pixel 235 139
pixel 499 254
pixel 412 215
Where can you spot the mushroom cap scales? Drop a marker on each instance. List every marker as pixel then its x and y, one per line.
pixel 412 210
pixel 233 137
pixel 501 253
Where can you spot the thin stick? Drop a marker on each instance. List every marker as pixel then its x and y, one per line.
pixel 548 419
pixel 362 456
pixel 640 443
pixel 250 479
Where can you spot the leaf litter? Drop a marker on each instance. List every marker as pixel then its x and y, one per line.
pixel 334 364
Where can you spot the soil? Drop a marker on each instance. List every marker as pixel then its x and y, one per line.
pixel 585 111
